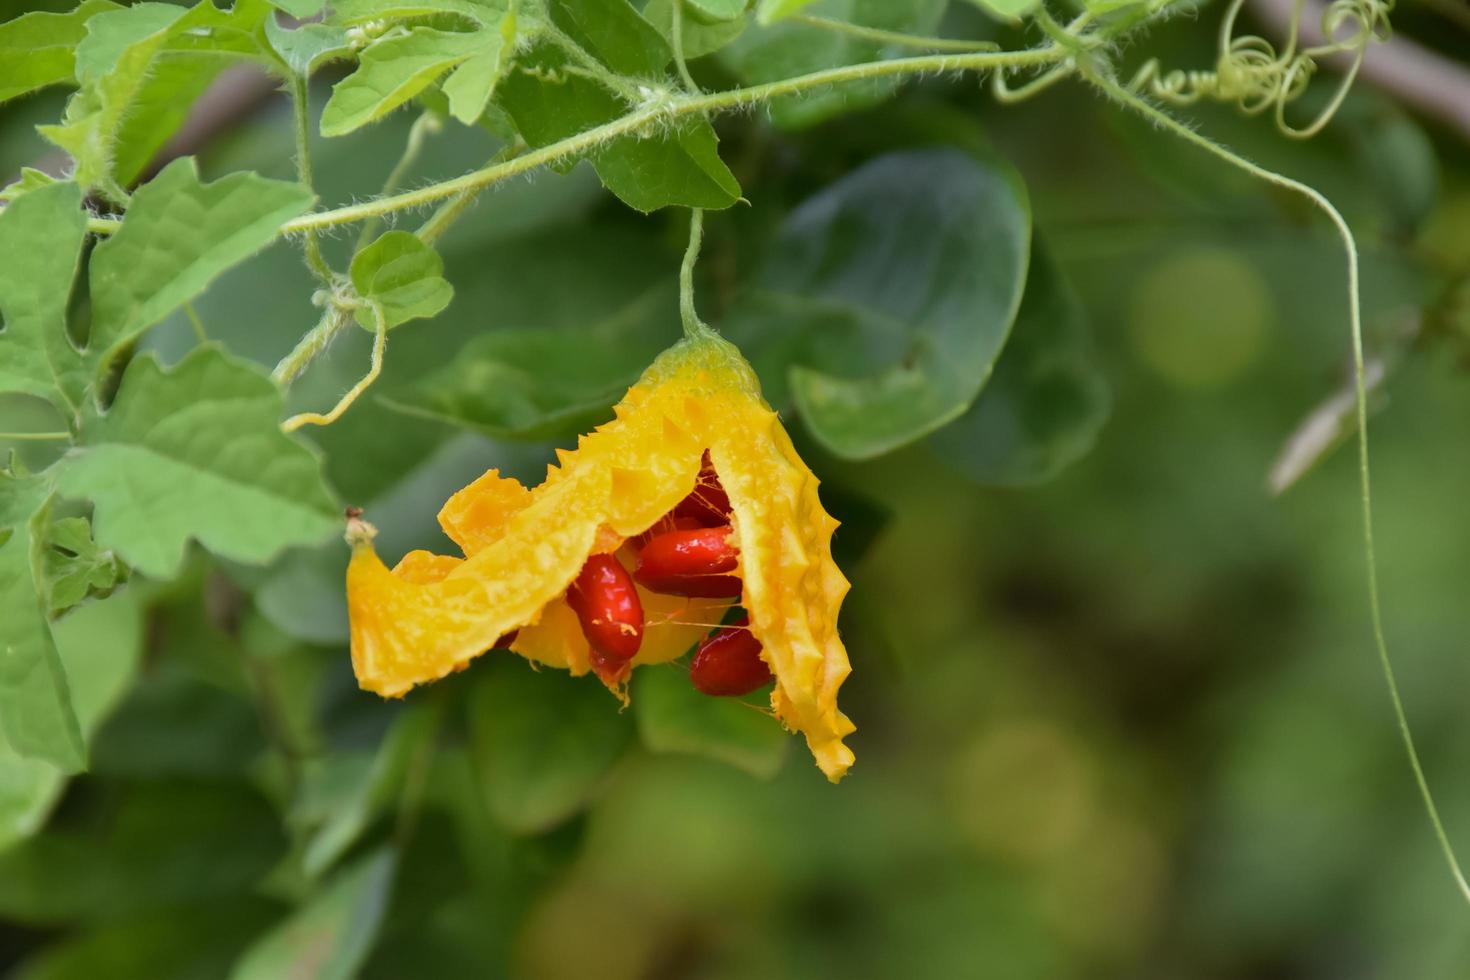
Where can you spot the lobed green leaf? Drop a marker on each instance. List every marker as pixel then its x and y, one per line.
pixel 40 48
pixel 403 275
pixel 394 70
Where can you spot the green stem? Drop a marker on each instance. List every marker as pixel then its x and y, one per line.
pixel 1165 121
pixel 200 333
pixel 312 343
pixel 892 37
pixel 665 111
pixel 676 39
pixel 301 108
pixel 33 436
pixel 694 327
pixel 450 211
pixel 674 108
pixel 423 127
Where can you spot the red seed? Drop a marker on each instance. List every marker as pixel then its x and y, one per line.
pixel 708 504
pixel 691 563
pixel 663 525
pixel 729 663
pixel 505 641
pixel 611 670
pixel 606 601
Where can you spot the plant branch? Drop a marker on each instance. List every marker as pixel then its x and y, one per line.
pixel 423 127
pixel 1164 120
pixel 301 109
pixel 892 37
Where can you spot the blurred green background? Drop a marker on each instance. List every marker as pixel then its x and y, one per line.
pixel 1122 719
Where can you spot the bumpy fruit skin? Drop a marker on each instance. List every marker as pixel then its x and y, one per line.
pixel 524 547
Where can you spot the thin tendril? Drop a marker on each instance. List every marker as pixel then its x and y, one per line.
pixel 676 38
pixel 892 37
pixel 423 127
pixel 33 436
pixel 196 323
pixel 380 343
pixel 1133 102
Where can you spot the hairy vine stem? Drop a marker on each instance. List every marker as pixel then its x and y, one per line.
pixel 301 110
pixel 1100 79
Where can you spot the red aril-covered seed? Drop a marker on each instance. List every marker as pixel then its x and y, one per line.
pixel 696 563
pixel 610 670
pixel 664 524
pixel 729 663
pixel 707 503
pixel 606 601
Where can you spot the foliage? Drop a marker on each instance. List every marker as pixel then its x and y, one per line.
pixel 1076 758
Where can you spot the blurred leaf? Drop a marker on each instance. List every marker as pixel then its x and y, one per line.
pixel 700 38
pixel 614 33
pixel 197 452
pixel 165 844
pixel 194 942
pixel 403 274
pixel 178 235
pixel 1046 401
pixel 300 9
pixel 716 11
pixel 891 293
pixel 39 48
pixel 498 383
pixel 1008 10
pixel 394 70
pixel 673 717
pixel 30 179
pixel 541 741
pixel 344 792
pixel 677 165
pixel 36 713
pixel 41 235
pixel 330 936
pixel 75 566
pixel 307 46
pixel 1327 426
pixel 788 49
pixel 99 647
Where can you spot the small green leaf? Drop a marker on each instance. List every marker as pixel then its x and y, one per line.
pixel 788 49
pixel 700 38
pixel 36 713
pixel 394 70
pixel 41 236
pixel 307 46
pixel 39 48
pixel 673 717
pixel 1010 10
pixel 470 87
pixel 177 236
pixel 31 179
pixel 1046 402
pixel 770 11
pixel 542 741
pixel 197 452
pixel 75 567
pixel 614 33
pixel 100 645
pixel 402 274
pixel 892 293
pixel 330 936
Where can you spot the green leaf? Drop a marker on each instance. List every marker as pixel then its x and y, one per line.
pixel 99 645
pixel 470 87
pixel 329 937
pixel 300 9
pixel 673 717
pixel 770 11
pixel 541 741
pixel 402 274
pixel 41 235
pixel 614 33
pixel 36 713
pixel 31 179
pixel 197 452
pixel 307 46
pixel 1010 10
pixel 892 293
pixel 177 236
pixel 700 38
pixel 677 166
pixel 486 13
pixel 394 70
pixel 789 49
pixel 75 567
pixel 716 11
pixel 39 48
pixel 1047 400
